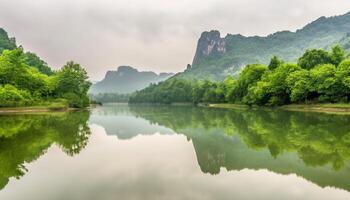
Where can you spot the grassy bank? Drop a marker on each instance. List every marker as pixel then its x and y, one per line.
pixel 322 108
pixel 42 107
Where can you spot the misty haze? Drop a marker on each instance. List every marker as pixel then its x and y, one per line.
pixel 160 99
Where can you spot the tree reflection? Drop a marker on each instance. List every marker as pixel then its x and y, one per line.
pixel 315 146
pixel 24 138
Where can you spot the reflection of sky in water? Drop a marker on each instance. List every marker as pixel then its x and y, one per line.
pixel 117 120
pixel 129 157
pixel 150 167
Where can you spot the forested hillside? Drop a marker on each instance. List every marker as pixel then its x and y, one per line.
pixel 26 80
pixel 217 57
pixel 318 76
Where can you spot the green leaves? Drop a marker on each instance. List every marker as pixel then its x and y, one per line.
pixel 72 84
pixel 23 83
pixel 10 96
pixel 337 55
pixel 275 62
pixel 6 42
pixel 299 83
pixel 314 57
pixel 33 60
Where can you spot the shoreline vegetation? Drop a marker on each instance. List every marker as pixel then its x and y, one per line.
pixel 337 108
pixel 319 81
pixel 29 83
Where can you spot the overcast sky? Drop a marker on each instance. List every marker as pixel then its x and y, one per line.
pixel 157 35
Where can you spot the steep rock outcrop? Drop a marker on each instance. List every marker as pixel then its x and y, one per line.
pixel 210 43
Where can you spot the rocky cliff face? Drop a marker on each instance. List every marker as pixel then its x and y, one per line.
pixel 210 43
pixel 217 57
pixel 126 80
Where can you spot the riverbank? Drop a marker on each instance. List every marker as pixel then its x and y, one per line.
pixel 40 109
pixel 30 109
pixel 321 108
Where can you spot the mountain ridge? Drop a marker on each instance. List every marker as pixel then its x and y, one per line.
pixel 126 79
pixel 216 56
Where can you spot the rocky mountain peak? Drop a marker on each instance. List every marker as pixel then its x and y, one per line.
pixel 126 69
pixel 209 43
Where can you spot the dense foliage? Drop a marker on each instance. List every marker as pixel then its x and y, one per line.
pixel 32 59
pixel 6 42
pixel 23 82
pixel 319 76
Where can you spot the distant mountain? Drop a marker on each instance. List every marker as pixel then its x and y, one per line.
pixel 127 80
pixel 216 57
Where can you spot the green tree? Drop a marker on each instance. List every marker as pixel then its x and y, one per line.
pixel 229 85
pixel 248 77
pixel 10 96
pixel 273 88
pixel 343 76
pixel 337 55
pixel 72 84
pixel 314 57
pixel 325 83
pixel 12 68
pixel 300 85
pixel 33 60
pixel 274 63
pixel 198 91
pixel 6 42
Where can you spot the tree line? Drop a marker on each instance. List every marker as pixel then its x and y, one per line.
pixel 26 80
pixel 318 76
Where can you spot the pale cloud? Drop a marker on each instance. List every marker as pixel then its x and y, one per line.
pixel 158 35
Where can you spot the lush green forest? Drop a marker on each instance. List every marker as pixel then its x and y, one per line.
pixel 26 80
pixel 319 76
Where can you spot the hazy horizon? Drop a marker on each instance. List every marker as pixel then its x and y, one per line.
pixel 154 35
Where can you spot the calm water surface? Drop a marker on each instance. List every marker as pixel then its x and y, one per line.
pixel 164 152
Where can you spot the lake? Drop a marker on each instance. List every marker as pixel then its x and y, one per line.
pixel 118 151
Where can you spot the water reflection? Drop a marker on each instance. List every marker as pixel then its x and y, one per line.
pixel 226 152
pixel 24 138
pixel 314 146
pixel 117 119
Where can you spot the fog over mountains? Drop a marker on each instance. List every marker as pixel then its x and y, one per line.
pixel 217 56
pixel 127 80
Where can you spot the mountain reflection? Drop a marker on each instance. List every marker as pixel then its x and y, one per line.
pixel 314 146
pixel 117 119
pixel 24 138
